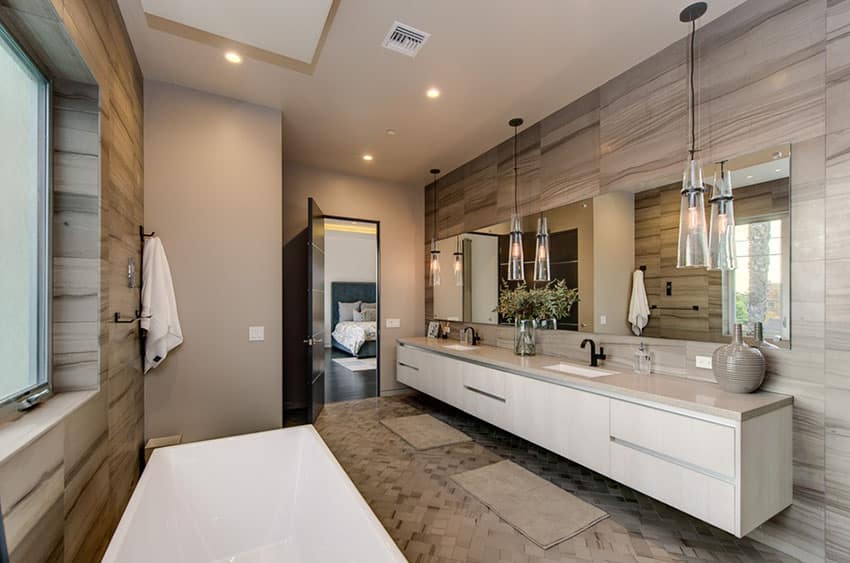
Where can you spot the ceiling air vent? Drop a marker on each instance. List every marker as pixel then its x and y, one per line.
pixel 405 39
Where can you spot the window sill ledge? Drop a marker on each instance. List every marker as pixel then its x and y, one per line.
pixel 18 434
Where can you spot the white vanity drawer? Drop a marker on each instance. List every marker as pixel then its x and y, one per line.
pixel 704 497
pixel 692 441
pixel 408 375
pixel 486 380
pixel 485 406
pixel 409 356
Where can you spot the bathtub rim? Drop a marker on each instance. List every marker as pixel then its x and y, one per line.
pixel 124 524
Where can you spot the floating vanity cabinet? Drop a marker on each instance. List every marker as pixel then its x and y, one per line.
pixel 571 423
pixel 408 362
pixel 683 461
pixel 725 459
pixel 485 394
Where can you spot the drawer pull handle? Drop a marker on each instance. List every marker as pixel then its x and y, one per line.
pixel 485 393
pixel 408 366
pixel 673 460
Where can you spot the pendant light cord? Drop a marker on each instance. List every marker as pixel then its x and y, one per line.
pixel 434 234
pixel 693 92
pixel 516 204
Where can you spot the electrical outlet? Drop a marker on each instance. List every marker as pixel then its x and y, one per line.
pixel 603 320
pixel 256 333
pixel 704 362
pixel 393 323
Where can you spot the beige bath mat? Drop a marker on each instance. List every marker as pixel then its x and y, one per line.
pixel 423 431
pixel 539 510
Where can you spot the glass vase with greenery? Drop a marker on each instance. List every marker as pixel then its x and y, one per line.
pixel 527 306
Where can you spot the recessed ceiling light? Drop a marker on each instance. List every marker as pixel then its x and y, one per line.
pixel 779 170
pixel 749 177
pixel 233 57
pixel 368 157
pixel 433 93
pixel 391 132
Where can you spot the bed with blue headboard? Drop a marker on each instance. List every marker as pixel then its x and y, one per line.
pixel 347 335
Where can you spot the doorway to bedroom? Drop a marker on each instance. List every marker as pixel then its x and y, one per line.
pixel 352 305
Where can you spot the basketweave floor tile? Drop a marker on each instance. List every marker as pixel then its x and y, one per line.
pixel 433 519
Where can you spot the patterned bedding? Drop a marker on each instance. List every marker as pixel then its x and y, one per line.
pixel 353 334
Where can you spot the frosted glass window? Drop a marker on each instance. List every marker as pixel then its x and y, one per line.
pixel 23 225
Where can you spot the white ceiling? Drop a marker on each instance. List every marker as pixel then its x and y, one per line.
pixel 492 60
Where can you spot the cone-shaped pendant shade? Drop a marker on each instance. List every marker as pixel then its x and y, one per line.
pixel 721 240
pixel 515 256
pixel 435 263
pixel 541 252
pixel 693 232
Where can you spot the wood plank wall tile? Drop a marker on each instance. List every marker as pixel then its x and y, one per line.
pixel 569 152
pixel 528 173
pixel 643 123
pixel 837 286
pixel 762 81
pixel 90 463
pixel 76 235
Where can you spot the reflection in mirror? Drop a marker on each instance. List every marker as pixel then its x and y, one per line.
pixel 485 265
pixel 699 304
pixel 596 245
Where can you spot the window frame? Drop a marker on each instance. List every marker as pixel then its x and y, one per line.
pixel 43 385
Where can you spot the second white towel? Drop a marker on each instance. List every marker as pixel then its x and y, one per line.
pixel 639 305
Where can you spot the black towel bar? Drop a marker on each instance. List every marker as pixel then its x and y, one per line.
pixel 691 308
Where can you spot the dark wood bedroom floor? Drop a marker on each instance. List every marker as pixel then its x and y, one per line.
pixel 342 384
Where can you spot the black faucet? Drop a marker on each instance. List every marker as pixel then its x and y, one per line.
pixel 475 338
pixel 594 357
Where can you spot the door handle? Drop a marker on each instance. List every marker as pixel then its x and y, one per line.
pixel 309 341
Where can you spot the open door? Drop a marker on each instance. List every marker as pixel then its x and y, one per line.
pixel 315 349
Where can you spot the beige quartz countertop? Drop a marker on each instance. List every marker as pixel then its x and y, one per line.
pixel 707 398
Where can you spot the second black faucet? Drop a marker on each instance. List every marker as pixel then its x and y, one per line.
pixel 594 357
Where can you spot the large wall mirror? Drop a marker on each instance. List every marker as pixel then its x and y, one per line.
pixel 597 244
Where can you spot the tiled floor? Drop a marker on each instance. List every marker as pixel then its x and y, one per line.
pixel 433 519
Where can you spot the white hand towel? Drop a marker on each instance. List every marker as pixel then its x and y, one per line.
pixel 159 306
pixel 639 306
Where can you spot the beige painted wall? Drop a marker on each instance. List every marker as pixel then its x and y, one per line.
pixel 400 210
pixel 614 247
pixel 213 194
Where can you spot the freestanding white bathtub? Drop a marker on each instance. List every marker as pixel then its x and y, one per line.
pixel 266 497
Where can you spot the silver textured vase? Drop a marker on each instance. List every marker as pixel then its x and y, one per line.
pixel 738 368
pixel 525 343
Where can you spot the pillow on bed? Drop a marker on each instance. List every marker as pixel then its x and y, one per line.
pixel 347 310
pixel 366 315
pixel 364 306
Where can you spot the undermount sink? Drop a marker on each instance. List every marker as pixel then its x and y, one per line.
pixel 459 347
pixel 581 371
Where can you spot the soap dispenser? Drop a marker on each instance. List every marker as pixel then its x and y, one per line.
pixel 643 360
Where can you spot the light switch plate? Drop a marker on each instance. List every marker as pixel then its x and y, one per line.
pixel 393 323
pixel 256 333
pixel 704 362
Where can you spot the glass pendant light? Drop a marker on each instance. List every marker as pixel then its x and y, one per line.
pixel 516 271
pixel 693 232
pixel 435 248
pixel 458 265
pixel 541 254
pixel 721 240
